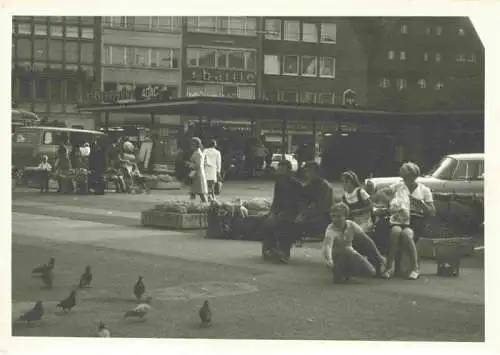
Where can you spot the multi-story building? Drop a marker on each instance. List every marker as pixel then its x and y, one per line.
pixel 54 61
pixel 314 60
pixel 423 64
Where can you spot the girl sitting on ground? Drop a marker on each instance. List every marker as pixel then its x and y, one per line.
pixel 337 246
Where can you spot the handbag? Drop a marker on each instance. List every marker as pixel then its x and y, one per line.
pixel 218 188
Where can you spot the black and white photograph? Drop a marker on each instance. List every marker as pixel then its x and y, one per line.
pixel 247 177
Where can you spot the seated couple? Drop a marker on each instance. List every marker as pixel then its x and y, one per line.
pixel 400 215
pixel 304 210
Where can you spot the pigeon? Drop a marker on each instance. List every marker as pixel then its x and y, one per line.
pixel 68 303
pixel 39 270
pixel 48 278
pixel 33 314
pixel 139 288
pixel 141 310
pixel 206 315
pixel 103 331
pixel 86 278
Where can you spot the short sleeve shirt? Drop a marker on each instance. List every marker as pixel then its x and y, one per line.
pixel 421 192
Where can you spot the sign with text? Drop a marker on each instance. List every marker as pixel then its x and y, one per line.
pixel 221 75
pixel 131 94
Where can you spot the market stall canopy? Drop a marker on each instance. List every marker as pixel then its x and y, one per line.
pixel 227 108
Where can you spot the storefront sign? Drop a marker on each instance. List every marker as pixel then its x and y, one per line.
pixel 218 75
pixel 139 93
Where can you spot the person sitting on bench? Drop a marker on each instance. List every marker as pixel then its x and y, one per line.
pixel 279 227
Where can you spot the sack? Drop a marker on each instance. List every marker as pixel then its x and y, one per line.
pixel 218 188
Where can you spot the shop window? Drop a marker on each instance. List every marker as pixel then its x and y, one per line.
pixel 236 60
pixel 118 55
pixel 56 31
pixel 72 32
pixel 56 52
pixel 290 65
pixel 292 30
pixel 40 49
pixel 25 88
pixel 221 59
pixel 327 67
pixel 309 32
pixel 87 52
pixel 40 30
pixel 24 29
pixel 41 91
pixel 288 96
pixel 309 66
pixel 230 91
pixel 272 29
pixel 213 90
pixel 194 91
pixel 271 64
pixel 56 90
pixel 71 52
pixel 87 32
pixel 246 92
pixel 23 48
pixel 207 58
pixel 328 33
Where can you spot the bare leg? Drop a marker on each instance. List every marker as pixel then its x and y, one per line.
pixel 393 247
pixel 407 240
pixel 361 262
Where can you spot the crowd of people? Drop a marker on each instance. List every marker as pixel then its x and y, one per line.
pixel 361 234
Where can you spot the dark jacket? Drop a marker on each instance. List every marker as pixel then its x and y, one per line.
pixel 287 193
pixel 317 199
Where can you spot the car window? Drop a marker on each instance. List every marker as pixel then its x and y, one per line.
pixel 468 170
pixel 54 137
pixel 24 137
pixel 444 170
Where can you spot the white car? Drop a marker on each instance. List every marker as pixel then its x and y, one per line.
pixel 455 173
pixel 275 160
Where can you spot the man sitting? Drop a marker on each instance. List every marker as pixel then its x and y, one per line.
pixel 278 231
pixel 317 200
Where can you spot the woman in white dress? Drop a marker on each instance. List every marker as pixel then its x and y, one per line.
pixel 197 174
pixel 212 168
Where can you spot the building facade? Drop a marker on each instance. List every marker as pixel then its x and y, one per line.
pixel 54 61
pixel 423 64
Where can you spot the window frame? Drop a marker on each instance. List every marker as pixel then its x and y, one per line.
pixel 321 37
pixel 279 34
pixel 274 56
pixel 287 37
pixel 334 67
pixel 283 69
pixel 315 26
pixel 422 83
pixel 316 69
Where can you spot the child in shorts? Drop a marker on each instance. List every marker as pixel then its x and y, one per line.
pixel 44 173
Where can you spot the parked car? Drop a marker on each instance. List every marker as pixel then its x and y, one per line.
pixel 455 173
pixel 275 160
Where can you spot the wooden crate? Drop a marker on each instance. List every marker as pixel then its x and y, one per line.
pixel 429 248
pixel 171 220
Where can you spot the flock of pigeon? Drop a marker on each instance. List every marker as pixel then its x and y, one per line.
pixel 46 273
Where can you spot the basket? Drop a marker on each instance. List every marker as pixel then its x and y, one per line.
pixel 170 220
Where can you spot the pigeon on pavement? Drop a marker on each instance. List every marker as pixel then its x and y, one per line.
pixel 86 278
pixel 103 331
pixel 33 314
pixel 48 278
pixel 206 315
pixel 139 288
pixel 40 269
pixel 141 310
pixel 68 303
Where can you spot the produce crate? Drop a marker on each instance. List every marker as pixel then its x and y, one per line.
pixel 163 185
pixel 171 220
pixel 430 248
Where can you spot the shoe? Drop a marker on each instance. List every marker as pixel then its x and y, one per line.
pixel 387 274
pixel 414 275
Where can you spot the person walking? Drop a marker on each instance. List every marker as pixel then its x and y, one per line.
pixel 213 162
pixel 197 171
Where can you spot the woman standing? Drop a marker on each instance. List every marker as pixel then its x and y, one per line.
pixel 197 174
pixel 212 168
pixel 421 206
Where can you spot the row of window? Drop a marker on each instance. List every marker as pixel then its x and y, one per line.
pixel 141 57
pixel 402 84
pixel 391 55
pixel 299 65
pixel 294 96
pixel 84 20
pixel 234 25
pixel 145 23
pixel 290 30
pixel 54 50
pixel 231 91
pixel 221 58
pixel 438 30
pixel 56 31
pixel 53 90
